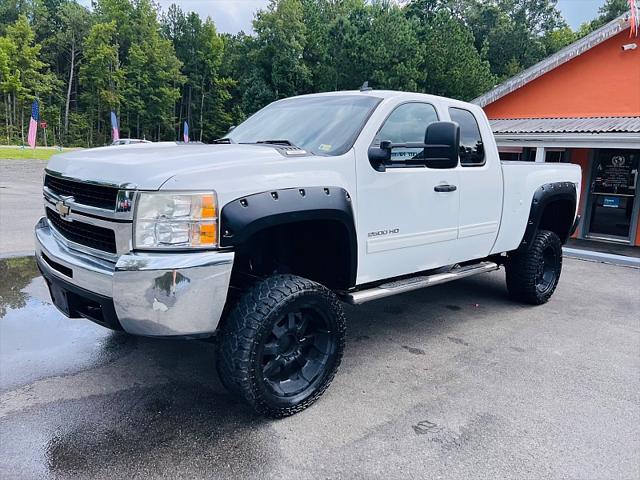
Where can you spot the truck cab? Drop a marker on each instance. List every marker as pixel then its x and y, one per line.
pixel 312 202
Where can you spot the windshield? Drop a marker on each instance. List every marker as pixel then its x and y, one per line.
pixel 325 125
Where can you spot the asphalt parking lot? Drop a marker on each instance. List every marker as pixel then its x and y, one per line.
pixel 450 382
pixel 20 204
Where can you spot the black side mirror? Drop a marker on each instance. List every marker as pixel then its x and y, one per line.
pixel 380 156
pixel 440 149
pixel 442 145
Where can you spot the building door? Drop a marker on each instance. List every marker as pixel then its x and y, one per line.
pixel 613 194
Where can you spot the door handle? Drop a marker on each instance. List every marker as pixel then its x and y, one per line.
pixel 445 188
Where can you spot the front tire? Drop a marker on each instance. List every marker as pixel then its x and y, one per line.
pixel 282 344
pixel 533 273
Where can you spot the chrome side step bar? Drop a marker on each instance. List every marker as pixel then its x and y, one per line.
pixel 415 283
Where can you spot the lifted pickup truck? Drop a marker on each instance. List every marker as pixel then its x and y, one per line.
pixel 313 201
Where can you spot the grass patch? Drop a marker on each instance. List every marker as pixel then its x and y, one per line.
pixel 18 153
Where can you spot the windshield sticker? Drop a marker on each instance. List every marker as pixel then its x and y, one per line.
pixel 325 148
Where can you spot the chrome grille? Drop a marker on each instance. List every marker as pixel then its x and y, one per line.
pixel 85 193
pixel 91 236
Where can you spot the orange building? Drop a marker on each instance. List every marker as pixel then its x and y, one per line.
pixel 581 105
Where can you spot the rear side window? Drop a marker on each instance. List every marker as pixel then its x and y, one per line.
pixel 471 146
pixel 407 124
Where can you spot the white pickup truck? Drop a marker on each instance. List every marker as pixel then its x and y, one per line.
pixel 313 201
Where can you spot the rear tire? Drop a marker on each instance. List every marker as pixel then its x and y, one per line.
pixel 533 273
pixel 281 344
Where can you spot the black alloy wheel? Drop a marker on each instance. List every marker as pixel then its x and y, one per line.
pixel 281 344
pixel 547 272
pixel 297 351
pixel 533 273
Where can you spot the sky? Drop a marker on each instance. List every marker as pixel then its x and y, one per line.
pixel 231 16
pixel 578 11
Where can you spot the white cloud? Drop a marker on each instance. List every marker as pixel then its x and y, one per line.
pixel 230 16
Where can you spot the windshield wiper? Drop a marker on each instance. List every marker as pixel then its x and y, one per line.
pixel 224 141
pixel 278 142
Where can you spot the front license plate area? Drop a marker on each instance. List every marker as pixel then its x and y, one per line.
pixel 59 298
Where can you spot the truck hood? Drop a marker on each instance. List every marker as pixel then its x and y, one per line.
pixel 149 166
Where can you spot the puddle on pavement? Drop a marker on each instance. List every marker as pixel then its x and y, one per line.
pixel 172 417
pixel 37 341
pixel 177 430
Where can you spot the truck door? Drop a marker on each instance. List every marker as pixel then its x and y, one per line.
pixel 480 186
pixel 407 216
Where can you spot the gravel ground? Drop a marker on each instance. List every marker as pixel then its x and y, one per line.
pixel 451 382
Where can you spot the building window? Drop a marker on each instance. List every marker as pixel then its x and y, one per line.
pixel 556 156
pixel 517 154
pixel 510 156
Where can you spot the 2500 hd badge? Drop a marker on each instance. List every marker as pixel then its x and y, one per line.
pixel 380 233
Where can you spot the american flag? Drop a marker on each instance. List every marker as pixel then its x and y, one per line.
pixel 114 127
pixel 33 124
pixel 186 132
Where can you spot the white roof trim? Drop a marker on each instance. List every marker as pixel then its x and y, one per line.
pixel 596 125
pixel 585 140
pixel 562 56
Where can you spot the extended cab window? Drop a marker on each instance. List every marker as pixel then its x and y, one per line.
pixel 407 124
pixel 471 146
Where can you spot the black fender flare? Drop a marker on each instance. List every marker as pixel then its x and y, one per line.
pixel 243 217
pixel 543 196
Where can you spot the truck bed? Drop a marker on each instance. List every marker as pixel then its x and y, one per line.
pixel 520 181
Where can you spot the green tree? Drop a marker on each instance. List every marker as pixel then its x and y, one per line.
pixel 10 10
pixel 9 83
pixel 557 39
pixel 453 65
pixel 426 10
pixel 158 69
pixel 75 22
pixel 610 10
pixel 122 13
pixel 329 34
pixel 153 76
pixel 389 49
pixel 372 42
pixel 205 94
pixel 249 90
pixel 515 34
pixel 101 78
pixel 30 77
pixel 281 38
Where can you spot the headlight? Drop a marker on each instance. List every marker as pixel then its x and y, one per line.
pixel 176 220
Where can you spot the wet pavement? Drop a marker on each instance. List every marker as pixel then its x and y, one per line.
pixel 450 382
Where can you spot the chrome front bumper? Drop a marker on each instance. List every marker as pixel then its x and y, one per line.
pixel 153 294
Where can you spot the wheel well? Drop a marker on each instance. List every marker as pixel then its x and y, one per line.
pixel 320 250
pixel 558 217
